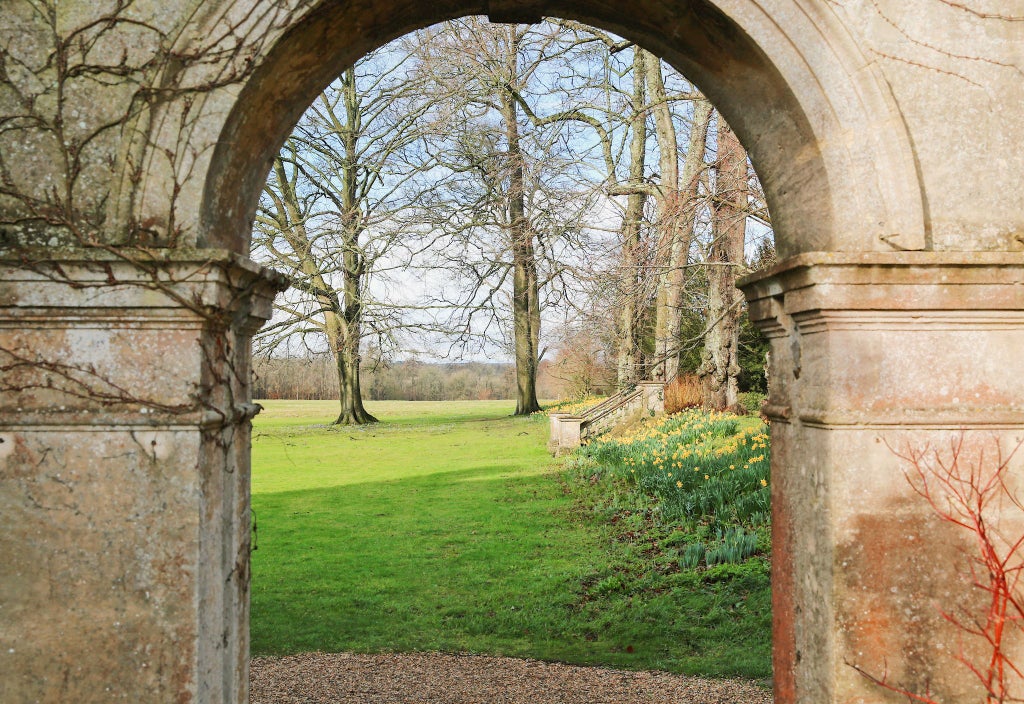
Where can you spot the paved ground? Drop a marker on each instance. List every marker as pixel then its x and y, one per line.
pixel 318 678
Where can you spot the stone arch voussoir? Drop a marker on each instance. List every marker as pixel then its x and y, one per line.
pixel 823 130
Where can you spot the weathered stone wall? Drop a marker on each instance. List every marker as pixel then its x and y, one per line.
pixel 877 126
pixel 954 70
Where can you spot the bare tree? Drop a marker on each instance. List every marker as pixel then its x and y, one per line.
pixel 594 100
pixel 585 359
pixel 525 289
pixel 633 259
pixel 511 220
pixel 653 250
pixel 340 201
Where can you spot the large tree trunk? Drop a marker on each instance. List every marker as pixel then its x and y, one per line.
pixel 720 368
pixel 525 287
pixel 348 352
pixel 632 313
pixel 352 410
pixel 345 347
pixel 677 200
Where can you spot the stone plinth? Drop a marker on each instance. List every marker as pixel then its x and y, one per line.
pixel 124 475
pixel 564 432
pixel 872 354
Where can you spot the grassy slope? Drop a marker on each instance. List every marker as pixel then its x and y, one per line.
pixel 449 528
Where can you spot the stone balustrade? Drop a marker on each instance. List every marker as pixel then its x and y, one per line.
pixel 570 430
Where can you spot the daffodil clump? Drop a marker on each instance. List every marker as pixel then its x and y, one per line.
pixel 683 502
pixel 701 468
pixel 574 407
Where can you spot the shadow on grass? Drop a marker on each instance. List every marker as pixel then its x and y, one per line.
pixel 486 559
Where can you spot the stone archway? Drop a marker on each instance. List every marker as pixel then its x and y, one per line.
pixel 125 396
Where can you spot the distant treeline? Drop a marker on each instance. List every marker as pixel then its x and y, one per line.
pixel 317 379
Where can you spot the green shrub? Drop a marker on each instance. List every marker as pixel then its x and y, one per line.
pixel 752 401
pixel 699 479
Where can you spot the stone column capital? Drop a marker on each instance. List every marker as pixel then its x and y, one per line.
pixel 193 283
pixel 146 336
pixel 893 339
pixel 891 282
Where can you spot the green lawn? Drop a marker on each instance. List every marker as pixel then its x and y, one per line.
pixel 448 527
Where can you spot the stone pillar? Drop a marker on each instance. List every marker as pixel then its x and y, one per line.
pixel 872 354
pixel 124 474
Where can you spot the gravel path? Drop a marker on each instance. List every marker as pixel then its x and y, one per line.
pixel 318 678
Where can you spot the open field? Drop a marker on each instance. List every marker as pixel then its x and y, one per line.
pixel 448 527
